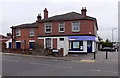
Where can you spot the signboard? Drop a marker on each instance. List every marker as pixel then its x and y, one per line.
pixel 84 38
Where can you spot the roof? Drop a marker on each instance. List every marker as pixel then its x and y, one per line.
pixel 63 17
pixel 28 25
pixel 67 16
pixel 2 36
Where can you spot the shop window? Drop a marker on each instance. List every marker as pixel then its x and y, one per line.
pixel 76 45
pixel 48 43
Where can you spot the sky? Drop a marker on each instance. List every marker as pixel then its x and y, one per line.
pixel 16 12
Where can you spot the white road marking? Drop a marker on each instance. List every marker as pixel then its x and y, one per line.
pixel 104 71
pixel 87 60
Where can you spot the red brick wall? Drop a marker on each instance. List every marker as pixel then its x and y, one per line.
pixel 41 42
pixel 86 26
pixel 24 36
pixel 55 43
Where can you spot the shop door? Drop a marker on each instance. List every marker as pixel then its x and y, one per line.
pixel 89 46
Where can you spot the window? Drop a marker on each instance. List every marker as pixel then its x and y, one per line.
pixel 18 33
pixel 76 45
pixel 61 27
pixel 75 26
pixel 48 43
pixel 61 39
pixel 48 28
pixel 32 32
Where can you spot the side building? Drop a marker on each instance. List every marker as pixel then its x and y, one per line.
pixel 24 36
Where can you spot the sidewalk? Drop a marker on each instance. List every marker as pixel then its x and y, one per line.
pixel 100 57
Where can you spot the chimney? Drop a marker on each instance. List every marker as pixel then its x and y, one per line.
pixel 39 17
pixel 45 13
pixel 83 11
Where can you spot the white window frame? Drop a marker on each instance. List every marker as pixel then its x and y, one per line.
pixel 61 27
pixel 75 26
pixel 18 32
pixel 32 32
pixel 49 42
pixel 46 28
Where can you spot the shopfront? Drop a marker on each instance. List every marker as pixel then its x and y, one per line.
pixel 82 44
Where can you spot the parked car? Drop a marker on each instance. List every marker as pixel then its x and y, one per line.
pixel 111 49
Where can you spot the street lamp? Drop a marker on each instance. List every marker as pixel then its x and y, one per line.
pixel 112 33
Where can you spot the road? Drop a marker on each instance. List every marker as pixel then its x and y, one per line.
pixel 31 66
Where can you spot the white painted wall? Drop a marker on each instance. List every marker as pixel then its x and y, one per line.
pixel 7 43
pixel 85 46
pixel 60 44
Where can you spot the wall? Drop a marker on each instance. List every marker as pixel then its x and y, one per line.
pixel 7 43
pixel 64 43
pixel 86 26
pixel 25 35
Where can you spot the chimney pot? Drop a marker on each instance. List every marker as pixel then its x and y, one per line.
pixel 45 13
pixel 39 17
pixel 83 11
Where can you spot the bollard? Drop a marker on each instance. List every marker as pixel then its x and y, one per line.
pixel 94 55
pixel 106 55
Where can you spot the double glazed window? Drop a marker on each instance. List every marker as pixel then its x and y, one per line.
pixel 32 32
pixel 48 27
pixel 61 27
pixel 48 43
pixel 75 26
pixel 18 33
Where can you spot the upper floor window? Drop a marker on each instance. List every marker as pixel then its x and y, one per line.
pixel 18 33
pixel 48 27
pixel 61 27
pixel 75 26
pixel 32 32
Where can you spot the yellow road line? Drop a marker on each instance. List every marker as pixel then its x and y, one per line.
pixel 87 60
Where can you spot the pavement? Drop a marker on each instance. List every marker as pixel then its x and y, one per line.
pixel 100 57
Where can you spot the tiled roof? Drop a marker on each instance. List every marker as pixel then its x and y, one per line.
pixel 67 16
pixel 29 25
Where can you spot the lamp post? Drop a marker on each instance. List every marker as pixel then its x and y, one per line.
pixel 112 33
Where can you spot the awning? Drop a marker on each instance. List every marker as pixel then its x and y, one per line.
pixel 84 38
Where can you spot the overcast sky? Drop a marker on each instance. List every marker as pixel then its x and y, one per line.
pixel 15 12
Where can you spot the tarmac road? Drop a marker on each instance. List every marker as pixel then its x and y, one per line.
pixel 31 66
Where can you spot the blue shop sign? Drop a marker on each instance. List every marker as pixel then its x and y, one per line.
pixel 85 38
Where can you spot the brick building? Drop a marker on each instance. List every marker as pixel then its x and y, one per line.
pixel 3 39
pixel 74 32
